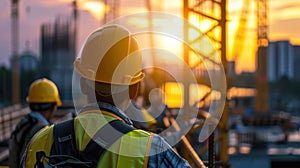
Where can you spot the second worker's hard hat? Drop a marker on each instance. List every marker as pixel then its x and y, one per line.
pixel 110 55
pixel 43 91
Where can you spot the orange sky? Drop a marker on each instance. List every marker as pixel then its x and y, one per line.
pixel 284 22
pixel 283 15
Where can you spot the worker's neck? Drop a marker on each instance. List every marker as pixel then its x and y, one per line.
pixel 121 104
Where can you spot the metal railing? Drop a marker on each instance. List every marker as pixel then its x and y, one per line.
pixel 9 117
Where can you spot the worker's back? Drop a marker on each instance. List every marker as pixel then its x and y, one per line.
pixel 23 132
pixel 99 138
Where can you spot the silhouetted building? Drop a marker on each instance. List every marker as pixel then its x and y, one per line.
pixel 297 62
pixel 281 60
pixel 28 68
pixel 28 61
pixel 231 69
pixel 58 54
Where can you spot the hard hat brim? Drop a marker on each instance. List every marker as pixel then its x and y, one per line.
pixel 133 79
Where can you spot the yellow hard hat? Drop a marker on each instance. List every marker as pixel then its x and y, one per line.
pixel 43 91
pixel 110 55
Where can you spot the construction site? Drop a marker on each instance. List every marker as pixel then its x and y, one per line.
pixel 252 117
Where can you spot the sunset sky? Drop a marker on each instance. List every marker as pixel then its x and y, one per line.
pixel 284 22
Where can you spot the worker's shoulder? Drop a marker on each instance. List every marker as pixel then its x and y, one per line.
pixel 26 127
pixel 141 132
pixel 159 144
pixel 44 134
pixel 26 120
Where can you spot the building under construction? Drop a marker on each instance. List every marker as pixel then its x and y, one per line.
pixel 58 54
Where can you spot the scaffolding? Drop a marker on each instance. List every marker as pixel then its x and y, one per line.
pixel 210 17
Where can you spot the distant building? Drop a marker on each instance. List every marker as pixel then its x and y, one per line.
pixel 280 60
pixel 297 62
pixel 58 54
pixel 283 66
pixel 231 69
pixel 28 61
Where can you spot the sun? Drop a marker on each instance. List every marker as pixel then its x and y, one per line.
pixel 96 8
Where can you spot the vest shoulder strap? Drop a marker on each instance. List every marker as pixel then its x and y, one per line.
pixel 106 136
pixel 65 142
pixel 64 138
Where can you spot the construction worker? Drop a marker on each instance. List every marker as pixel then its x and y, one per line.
pixel 109 72
pixel 43 100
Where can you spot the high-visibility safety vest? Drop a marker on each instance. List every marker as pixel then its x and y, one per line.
pixel 132 149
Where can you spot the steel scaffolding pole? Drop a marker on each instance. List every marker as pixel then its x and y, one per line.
pixel 213 13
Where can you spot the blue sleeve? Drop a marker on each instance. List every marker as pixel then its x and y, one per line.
pixel 163 156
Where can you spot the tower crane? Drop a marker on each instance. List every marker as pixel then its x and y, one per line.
pixel 262 87
pixel 239 38
pixel 15 48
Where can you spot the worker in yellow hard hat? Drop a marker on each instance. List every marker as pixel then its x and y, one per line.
pixel 43 100
pixel 108 74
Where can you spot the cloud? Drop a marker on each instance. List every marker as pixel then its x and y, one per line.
pixel 284 9
pixel 292 25
pixel 286 29
pixel 284 5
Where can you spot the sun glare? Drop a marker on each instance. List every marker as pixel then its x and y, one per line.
pixel 96 8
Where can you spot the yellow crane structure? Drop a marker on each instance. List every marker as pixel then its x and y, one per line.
pixel 214 14
pixel 262 86
pixel 240 34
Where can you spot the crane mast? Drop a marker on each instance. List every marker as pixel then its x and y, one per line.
pixel 262 87
pixel 240 35
pixel 15 48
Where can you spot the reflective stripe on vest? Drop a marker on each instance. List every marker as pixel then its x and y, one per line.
pixel 135 143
